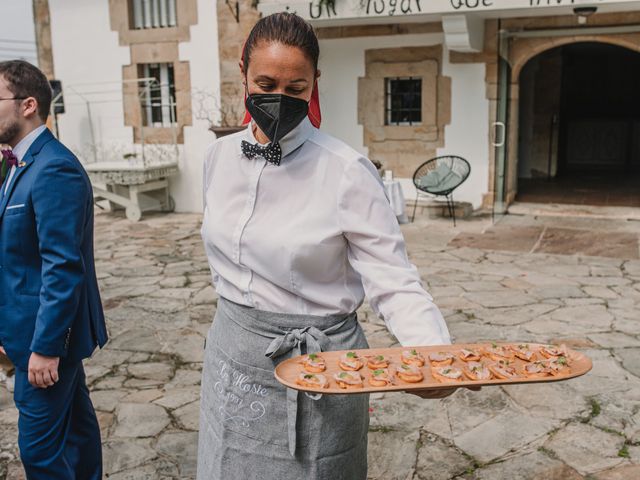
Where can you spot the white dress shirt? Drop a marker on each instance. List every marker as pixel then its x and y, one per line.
pixel 311 236
pixel 20 150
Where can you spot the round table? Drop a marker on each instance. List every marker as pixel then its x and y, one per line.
pixel 393 189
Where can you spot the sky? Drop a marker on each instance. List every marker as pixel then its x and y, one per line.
pixel 17 35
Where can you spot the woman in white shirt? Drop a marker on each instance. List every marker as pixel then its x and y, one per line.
pixel 297 230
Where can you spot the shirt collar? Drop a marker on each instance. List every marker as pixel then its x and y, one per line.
pixel 23 145
pixel 292 140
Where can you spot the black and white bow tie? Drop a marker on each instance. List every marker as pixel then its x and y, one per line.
pixel 272 153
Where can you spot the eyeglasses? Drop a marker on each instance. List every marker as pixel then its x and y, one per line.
pixel 14 98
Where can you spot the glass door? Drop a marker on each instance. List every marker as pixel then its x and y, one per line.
pixel 500 133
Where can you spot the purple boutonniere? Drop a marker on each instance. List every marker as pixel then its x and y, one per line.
pixel 8 160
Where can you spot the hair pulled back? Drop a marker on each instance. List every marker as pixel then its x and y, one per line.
pixel 285 28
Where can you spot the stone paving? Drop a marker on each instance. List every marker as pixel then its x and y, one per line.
pixel 155 285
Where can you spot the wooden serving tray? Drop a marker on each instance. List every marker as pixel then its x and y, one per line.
pixel 288 371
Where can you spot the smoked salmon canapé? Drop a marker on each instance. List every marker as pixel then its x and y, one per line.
pixel 410 373
pixel 313 380
pixel 523 352
pixel 536 370
pixel 412 357
pixel 469 355
pixel 441 359
pixel 376 362
pixel 348 380
pixel 503 369
pixel 447 374
pixel 350 361
pixel 381 378
pixel 313 363
pixel 551 351
pixel 498 353
pixel 558 365
pixel 476 371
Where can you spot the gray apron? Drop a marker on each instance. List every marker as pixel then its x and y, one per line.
pixel 252 427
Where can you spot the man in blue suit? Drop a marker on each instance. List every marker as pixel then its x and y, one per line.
pixel 50 312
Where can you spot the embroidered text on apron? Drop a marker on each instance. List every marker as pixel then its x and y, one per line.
pixel 253 427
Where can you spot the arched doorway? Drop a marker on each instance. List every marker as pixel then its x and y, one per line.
pixel 579 126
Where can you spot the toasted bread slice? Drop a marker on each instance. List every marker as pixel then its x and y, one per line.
pixel 313 380
pixel 410 373
pixel 469 355
pixel 314 363
pixel 351 362
pixel 381 378
pixel 523 352
pixel 498 353
pixel 551 351
pixel 447 374
pixel 476 371
pixel 412 357
pixel 441 359
pixel 348 380
pixel 503 370
pixel 376 362
pixel 536 370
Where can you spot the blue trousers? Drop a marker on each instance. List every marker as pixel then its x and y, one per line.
pixel 58 432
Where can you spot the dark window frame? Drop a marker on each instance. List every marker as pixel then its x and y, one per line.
pixel 158 112
pixel 402 108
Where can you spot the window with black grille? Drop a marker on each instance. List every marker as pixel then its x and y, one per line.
pixel 157 94
pixel 403 101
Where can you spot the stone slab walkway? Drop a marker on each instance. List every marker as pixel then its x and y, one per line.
pixel 155 284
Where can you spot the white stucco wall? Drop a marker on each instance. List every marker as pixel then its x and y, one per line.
pixel 342 61
pixel 18 35
pixel 88 60
pixel 468 133
pixel 202 54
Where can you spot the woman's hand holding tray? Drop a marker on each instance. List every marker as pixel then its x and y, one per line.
pixel 440 366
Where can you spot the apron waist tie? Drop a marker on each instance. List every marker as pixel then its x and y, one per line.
pixel 316 340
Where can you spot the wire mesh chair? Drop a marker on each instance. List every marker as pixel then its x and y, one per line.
pixel 440 176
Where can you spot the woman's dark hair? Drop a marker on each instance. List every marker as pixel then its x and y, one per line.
pixel 25 80
pixel 287 29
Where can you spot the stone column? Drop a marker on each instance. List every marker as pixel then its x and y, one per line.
pixel 232 34
pixel 42 22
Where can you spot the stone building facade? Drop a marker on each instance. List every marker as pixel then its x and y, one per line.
pixel 525 90
pixel 512 86
pixel 139 75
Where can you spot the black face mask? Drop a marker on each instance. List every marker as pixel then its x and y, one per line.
pixel 276 114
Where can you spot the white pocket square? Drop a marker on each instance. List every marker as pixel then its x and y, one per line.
pixel 10 207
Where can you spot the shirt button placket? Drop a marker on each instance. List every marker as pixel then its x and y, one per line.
pixel 245 217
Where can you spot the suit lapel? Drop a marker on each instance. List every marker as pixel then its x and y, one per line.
pixel 26 162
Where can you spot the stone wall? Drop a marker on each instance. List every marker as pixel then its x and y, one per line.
pixel 489 56
pixel 232 35
pixel 402 148
pixel 155 45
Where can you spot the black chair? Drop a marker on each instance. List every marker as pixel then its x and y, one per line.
pixel 440 176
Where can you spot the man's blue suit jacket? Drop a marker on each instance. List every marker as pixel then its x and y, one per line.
pixel 49 298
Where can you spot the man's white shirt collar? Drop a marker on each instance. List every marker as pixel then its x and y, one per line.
pixel 21 150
